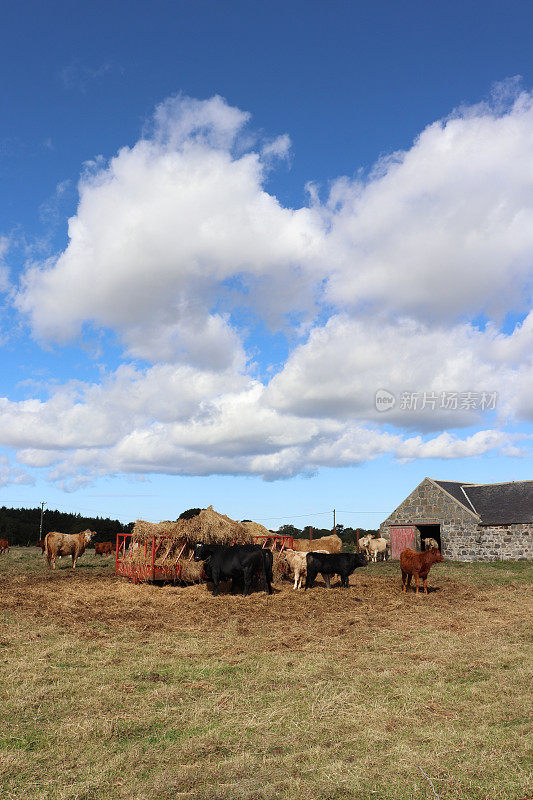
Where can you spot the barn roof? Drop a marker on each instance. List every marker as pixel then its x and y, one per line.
pixel 495 503
pixel 455 488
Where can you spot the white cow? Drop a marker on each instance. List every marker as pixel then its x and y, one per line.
pixel 374 546
pixel 297 561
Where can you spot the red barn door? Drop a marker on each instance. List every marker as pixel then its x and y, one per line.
pixel 402 536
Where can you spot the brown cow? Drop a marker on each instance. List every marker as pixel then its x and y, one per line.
pixel 417 564
pixel 40 544
pixel 4 546
pixel 103 548
pixel 66 544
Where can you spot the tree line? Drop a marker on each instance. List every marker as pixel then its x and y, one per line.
pixel 21 525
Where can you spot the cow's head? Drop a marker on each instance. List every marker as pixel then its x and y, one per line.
pixel 201 552
pixel 88 535
pixel 437 555
pixel 360 559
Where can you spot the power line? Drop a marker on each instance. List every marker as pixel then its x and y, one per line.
pixel 365 512
pixel 321 513
pixel 297 516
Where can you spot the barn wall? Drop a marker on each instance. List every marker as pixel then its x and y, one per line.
pixel 495 543
pixel 462 539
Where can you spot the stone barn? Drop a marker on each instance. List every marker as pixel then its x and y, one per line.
pixel 470 521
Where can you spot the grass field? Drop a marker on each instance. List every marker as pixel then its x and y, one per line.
pixel 110 690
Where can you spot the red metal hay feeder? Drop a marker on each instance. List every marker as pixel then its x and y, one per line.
pixel 146 570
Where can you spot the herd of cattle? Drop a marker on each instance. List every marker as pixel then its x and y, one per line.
pixel 245 563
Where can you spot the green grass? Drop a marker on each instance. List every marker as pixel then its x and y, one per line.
pixel 108 690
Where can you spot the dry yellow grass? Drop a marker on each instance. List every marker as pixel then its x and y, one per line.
pixel 110 690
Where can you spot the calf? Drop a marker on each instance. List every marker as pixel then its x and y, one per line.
pixel 4 546
pixel 373 547
pixel 239 562
pixel 417 564
pixel 378 546
pixel 329 564
pixel 40 544
pixel 297 561
pixel 103 548
pixel 429 543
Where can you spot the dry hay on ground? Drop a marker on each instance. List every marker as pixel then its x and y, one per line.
pixel 287 620
pixel 333 544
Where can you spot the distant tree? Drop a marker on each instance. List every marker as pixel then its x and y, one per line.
pixel 21 525
pixel 290 530
pixel 190 513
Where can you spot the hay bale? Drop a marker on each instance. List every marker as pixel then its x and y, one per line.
pixel 333 544
pixel 174 541
pixel 192 571
pixel 255 529
pixel 207 526
pixel 280 568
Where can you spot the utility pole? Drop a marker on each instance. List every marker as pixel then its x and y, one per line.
pixel 41 525
pixel 334 525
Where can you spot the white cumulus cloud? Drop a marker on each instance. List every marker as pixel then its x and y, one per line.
pixel 387 280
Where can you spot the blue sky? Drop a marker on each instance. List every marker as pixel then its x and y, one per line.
pixel 275 211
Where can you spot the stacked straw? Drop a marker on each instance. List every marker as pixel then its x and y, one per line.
pixel 177 539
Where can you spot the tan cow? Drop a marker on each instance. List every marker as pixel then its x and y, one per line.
pixel 66 544
pixel 4 546
pixel 363 543
pixel 373 546
pixel 297 561
pixel 103 548
pixel 430 543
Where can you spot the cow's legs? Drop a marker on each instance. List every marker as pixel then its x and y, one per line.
pixel 248 573
pixel 404 580
pixel 215 578
pixel 309 578
pixel 74 561
pixel 426 585
pixel 296 579
pixel 417 582
pixel 327 580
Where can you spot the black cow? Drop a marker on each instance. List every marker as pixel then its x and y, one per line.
pixel 329 564
pixel 239 562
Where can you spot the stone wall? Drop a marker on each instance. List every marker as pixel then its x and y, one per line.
pixel 495 543
pixel 462 538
